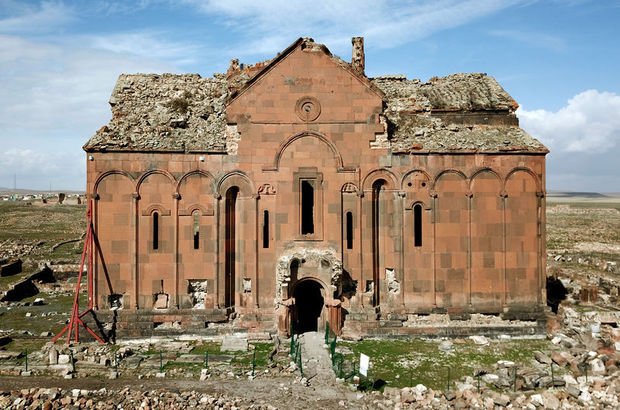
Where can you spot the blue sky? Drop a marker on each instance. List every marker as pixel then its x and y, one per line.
pixel 59 61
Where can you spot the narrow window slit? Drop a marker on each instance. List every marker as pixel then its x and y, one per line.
pixel 417 225
pixel 196 230
pixel 265 229
pixel 307 208
pixel 349 229
pixel 155 230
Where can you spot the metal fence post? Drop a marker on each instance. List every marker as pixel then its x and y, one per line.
pixel 326 333
pixel 514 380
pixel 26 359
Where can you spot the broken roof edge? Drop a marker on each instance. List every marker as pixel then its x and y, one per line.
pixel 286 52
pixel 461 151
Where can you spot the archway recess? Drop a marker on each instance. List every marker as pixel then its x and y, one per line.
pixel 309 303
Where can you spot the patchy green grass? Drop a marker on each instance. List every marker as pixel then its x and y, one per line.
pixel 49 317
pixel 260 354
pixel 403 363
pixel 204 347
pixel 50 223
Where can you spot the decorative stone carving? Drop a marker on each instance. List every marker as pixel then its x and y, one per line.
pixel 308 108
pixel 317 257
pixel 349 188
pixel 266 189
pixel 232 139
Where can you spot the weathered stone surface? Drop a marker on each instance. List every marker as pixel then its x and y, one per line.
pixel 233 343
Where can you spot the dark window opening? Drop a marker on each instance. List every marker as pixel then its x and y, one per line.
pixel 155 230
pixel 307 208
pixel 349 228
pixel 196 230
pixel 230 246
pixel 417 225
pixel 265 229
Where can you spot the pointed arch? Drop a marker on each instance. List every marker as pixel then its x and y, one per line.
pixel 236 178
pixel 108 173
pixel 451 213
pixel 200 172
pixel 526 170
pixel 486 227
pixel 485 171
pixel 380 173
pixel 412 172
pixel 445 172
pixel 308 134
pixel 147 174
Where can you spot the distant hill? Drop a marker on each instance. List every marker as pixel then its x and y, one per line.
pixel 568 194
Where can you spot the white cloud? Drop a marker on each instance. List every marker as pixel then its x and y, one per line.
pixel 589 123
pixel 34 18
pixel 38 169
pixel 148 44
pixel 271 25
pixel 532 39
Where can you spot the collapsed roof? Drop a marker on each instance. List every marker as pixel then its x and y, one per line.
pixel 187 113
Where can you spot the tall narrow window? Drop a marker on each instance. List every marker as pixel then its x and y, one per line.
pixel 230 246
pixel 265 229
pixel 417 225
pixel 307 208
pixel 349 229
pixel 196 229
pixel 155 230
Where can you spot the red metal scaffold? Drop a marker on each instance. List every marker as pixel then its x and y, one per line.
pixel 72 328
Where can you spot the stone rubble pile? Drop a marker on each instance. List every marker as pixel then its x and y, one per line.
pixel 581 394
pixel 56 398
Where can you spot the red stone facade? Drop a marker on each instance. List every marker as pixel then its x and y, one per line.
pixel 319 204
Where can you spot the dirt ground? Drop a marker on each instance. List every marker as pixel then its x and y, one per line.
pixel 583 241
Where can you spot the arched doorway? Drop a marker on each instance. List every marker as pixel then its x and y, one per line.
pixel 230 246
pixel 309 304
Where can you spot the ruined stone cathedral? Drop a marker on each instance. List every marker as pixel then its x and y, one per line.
pixel 298 191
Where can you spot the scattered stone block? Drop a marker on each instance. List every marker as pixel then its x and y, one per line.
pixel 597 367
pixel 542 358
pixel 64 359
pixel 479 340
pixel 52 356
pixel 234 344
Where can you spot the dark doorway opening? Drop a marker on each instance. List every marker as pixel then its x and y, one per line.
pixel 231 246
pixel 308 306
pixel 377 188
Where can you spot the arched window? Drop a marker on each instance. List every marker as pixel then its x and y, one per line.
pixel 196 229
pixel 265 229
pixel 417 225
pixel 349 229
pixel 155 230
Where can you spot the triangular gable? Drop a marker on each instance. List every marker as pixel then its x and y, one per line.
pixel 290 49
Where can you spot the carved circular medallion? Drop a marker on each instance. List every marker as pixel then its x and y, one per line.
pixel 308 108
